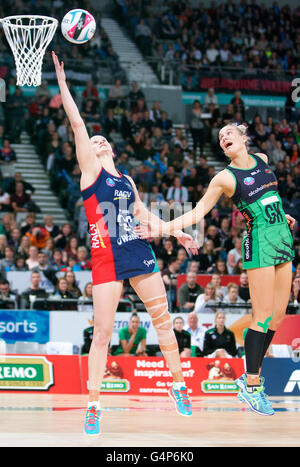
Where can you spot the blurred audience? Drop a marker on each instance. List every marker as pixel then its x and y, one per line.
pixel 219 342
pixel 183 337
pixel 132 338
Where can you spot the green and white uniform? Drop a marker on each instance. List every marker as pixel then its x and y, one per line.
pixel 268 240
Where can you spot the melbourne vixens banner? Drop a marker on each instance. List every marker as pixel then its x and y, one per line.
pixel 265 85
pixel 248 84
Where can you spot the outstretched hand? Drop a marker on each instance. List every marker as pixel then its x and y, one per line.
pixel 148 229
pixel 59 68
pixel 187 241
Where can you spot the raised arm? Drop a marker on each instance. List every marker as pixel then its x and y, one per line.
pixel 84 153
pixel 143 215
pixel 223 182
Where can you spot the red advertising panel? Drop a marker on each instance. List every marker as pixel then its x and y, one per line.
pixel 58 374
pixel 151 376
pixel 61 374
pixel 288 332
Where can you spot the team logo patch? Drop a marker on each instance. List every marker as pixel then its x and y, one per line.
pixel 249 181
pixel 110 182
pixel 268 171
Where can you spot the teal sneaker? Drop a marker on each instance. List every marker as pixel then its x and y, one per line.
pixel 92 422
pixel 257 401
pixel 242 383
pixel 182 401
pixel 264 395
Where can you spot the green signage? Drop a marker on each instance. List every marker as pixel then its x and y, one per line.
pixel 25 373
pixel 119 385
pixel 219 387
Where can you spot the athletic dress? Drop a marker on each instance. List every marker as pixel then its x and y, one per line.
pixel 117 252
pixel 268 240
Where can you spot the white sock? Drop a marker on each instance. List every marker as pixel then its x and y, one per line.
pixel 178 386
pixel 94 404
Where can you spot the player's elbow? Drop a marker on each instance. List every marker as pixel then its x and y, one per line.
pixel 77 124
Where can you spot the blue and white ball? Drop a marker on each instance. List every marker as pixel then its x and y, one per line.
pixel 78 26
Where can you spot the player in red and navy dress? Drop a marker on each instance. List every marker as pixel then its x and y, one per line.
pixel 117 252
pixel 112 204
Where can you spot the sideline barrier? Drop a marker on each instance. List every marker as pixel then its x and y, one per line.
pixel 138 376
pixel 61 374
pixel 151 376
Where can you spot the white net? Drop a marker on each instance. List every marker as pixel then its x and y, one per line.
pixel 28 37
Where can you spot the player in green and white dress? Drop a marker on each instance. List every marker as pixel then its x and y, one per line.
pixel 267 249
pixel 269 240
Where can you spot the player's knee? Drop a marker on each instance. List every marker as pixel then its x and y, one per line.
pixel 262 319
pixel 101 337
pixel 264 311
pixel 159 313
pixel 276 321
pixel 166 325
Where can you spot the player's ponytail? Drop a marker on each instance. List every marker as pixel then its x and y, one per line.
pixel 243 131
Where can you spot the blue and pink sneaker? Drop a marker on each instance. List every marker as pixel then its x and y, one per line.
pixel 182 401
pixel 92 421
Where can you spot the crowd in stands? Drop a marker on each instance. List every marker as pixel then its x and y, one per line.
pixel 50 253
pixel 164 166
pixel 15 192
pixel 196 36
pixel 158 156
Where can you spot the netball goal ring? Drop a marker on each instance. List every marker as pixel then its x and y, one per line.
pixel 28 37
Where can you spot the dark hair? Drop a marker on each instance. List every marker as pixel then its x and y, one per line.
pixel 20 257
pixel 35 271
pixel 172 259
pixel 4 281
pixel 178 317
pixel 134 315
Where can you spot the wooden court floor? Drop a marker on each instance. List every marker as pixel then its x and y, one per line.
pixel 57 420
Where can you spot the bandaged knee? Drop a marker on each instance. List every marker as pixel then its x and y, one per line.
pixel 158 310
